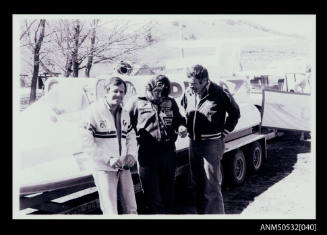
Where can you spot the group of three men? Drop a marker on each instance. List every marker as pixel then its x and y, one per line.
pixel 116 138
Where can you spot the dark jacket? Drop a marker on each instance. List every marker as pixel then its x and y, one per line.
pixel 206 120
pixel 155 123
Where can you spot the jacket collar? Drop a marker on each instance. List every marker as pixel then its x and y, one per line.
pixel 208 85
pixel 206 91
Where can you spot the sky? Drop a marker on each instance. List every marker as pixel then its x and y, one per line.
pixel 304 25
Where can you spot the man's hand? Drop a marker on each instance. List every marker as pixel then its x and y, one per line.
pixel 182 131
pixel 115 163
pixel 129 161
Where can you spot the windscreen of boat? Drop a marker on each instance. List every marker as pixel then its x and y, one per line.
pixel 56 117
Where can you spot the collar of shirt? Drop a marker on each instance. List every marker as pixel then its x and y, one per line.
pixel 117 119
pixel 110 108
pixel 207 86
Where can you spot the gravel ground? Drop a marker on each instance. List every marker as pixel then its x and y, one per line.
pixel 283 188
pixel 292 197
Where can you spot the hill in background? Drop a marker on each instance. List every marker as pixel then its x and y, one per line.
pixel 290 55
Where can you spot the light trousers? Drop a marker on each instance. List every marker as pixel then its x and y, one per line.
pixel 110 186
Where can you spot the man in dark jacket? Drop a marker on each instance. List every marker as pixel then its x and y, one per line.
pixel 206 105
pixel 156 120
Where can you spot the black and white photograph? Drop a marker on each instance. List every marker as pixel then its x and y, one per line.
pixel 164 116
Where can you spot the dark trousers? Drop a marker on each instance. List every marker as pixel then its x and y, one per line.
pixel 205 161
pixel 157 173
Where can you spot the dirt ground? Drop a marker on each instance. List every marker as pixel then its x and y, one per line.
pixel 283 188
pixel 292 196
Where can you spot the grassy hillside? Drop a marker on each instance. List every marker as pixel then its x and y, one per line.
pixel 270 54
pixel 253 56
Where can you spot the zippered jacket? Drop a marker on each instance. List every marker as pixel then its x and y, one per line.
pixel 156 123
pixel 99 136
pixel 205 118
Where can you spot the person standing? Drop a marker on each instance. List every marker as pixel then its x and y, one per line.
pixel 157 121
pixel 110 141
pixel 206 105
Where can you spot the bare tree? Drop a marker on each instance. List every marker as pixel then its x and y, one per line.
pixel 38 39
pixel 34 40
pixel 27 29
pixel 92 49
pixel 122 41
pixel 32 32
pixel 77 42
pixel 82 44
pixel 68 40
pixel 72 45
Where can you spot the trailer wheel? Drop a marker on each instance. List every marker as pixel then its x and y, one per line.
pixel 236 168
pixel 254 157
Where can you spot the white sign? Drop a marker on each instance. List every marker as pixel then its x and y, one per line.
pixel 286 110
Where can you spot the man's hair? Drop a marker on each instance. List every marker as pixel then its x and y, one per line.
pixel 159 80
pixel 197 71
pixel 116 81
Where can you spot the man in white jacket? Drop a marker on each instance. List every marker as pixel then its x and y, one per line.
pixel 108 138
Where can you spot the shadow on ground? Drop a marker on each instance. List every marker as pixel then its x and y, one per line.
pixel 282 156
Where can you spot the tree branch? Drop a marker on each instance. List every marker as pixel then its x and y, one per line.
pixel 27 29
pixel 46 69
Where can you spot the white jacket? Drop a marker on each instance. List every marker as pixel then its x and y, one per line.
pixel 99 136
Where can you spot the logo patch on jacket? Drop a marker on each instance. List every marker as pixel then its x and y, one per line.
pixel 207 109
pixel 103 124
pixel 168 121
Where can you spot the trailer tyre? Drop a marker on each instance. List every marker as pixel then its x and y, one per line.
pixel 254 157
pixel 236 168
